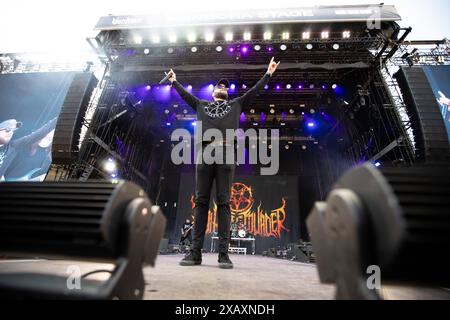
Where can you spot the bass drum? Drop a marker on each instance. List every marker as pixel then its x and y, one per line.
pixel 242 233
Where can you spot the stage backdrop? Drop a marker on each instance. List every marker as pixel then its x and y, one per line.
pixel 267 205
pixel 439 78
pixel 34 101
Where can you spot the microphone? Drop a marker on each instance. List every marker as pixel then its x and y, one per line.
pixel 165 78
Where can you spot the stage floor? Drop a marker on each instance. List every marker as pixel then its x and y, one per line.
pixel 253 278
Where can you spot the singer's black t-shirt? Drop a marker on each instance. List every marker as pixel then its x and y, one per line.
pixel 221 115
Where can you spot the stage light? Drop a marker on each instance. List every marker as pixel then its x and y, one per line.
pixel 194 123
pixel 110 166
pixel 232 86
pixel 267 35
pixel 185 111
pixel 168 124
pixel 255 124
pixel 346 34
pixel 211 87
pixel 324 87
pixel 148 88
pixel 209 37
pixel 189 87
pixel 377 164
pixel 334 86
pixel 309 46
pixel 244 86
pixel 336 46
pixel 194 49
pixel 156 39
pixel 231 49
pixel 287 147
pixel 325 35
pixel 288 86
pixel 252 111
pixel 306 35
pixel 138 39
pixel 170 50
pixel 167 111
pixel 278 87
pixel 312 86
pixel 272 111
pixel 283 47
pixel 172 38
pixel 304 147
pixel 311 124
pixel 228 36
pixel 312 111
pixel 269 48
pixel 192 37
pixel 257 47
pixel 266 87
pixel 146 51
pixel 247 36
pixel 219 49
pixel 300 86
pixel 285 35
pixel 270 146
pixel 244 49
pixel 291 111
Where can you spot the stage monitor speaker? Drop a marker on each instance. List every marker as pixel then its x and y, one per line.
pixel 95 221
pixel 164 246
pixel 393 219
pixel 66 140
pixel 432 145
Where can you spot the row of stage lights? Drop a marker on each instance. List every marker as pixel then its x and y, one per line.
pixel 229 36
pixel 234 87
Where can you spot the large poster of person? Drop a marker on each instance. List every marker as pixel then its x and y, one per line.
pixel 30 104
pixel 439 78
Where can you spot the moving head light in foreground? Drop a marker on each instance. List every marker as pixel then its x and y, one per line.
pixel 101 222
pixel 396 219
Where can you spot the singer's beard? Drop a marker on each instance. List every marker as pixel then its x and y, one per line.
pixel 220 95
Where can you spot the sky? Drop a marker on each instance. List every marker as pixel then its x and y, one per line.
pixel 62 26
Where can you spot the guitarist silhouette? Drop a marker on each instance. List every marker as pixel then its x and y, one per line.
pixel 186 232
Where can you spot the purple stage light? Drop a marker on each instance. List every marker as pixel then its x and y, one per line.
pixel 189 87
pixel 232 86
pixel 270 48
pixel 244 49
pixel 278 87
pixel 324 87
pixel 244 86
pixel 266 87
pixel 168 124
pixel 148 88
pixel 311 124
pixel 231 49
pixel 300 86
pixel 211 87
pixel 242 117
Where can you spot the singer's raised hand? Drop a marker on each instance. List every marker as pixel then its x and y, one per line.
pixel 173 76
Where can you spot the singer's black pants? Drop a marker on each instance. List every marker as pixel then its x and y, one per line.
pixel 205 174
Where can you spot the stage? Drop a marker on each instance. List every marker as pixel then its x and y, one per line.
pixel 253 278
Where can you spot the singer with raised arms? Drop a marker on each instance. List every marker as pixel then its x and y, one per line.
pixel 220 114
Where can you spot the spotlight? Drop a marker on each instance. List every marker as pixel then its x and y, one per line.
pixel 285 35
pixel 309 46
pixel 209 37
pixel 228 36
pixel 288 86
pixel 185 111
pixel 325 35
pixel 194 49
pixel 334 86
pixel 291 111
pixel 168 124
pixel 283 47
pixel 311 124
pixel 252 111
pixel 312 111
pixel 194 123
pixel 192 37
pixel 267 35
pixel 269 48
pixel 167 111
pixel 336 46
pixel 257 47
pixel 278 87
pixel 146 51
pixel 231 49
pixel 110 166
pixel 287 147
pixel 346 34
pixel 377 164
pixel 306 35
pixel 211 87
pixel 270 146
pixel 138 39
pixel 244 86
pixel 189 87
pixel 272 111
pixel 247 36
pixel 156 39
pixel 244 49
pixel 170 50
pixel 172 38
pixel 148 88
pixel 232 86
pixel 312 86
pixel 300 86
pixel 304 147
pixel 266 87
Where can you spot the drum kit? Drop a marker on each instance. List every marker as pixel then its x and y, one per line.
pixel 239 231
